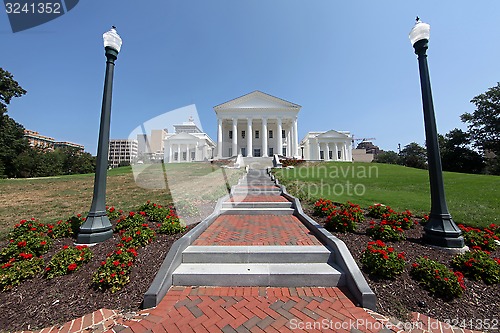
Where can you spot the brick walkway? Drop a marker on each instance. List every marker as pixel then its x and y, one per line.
pixel 257 230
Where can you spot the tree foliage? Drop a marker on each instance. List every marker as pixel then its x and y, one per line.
pixel 457 155
pixel 9 88
pixel 484 123
pixel 413 155
pixel 12 144
pixel 388 157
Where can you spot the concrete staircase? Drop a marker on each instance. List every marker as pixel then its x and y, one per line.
pixel 258 163
pixel 270 265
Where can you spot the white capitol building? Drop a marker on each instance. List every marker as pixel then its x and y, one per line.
pixel 255 125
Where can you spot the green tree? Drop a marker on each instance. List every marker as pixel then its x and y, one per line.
pixel 413 155
pixel 9 88
pixel 12 144
pixel 388 157
pixel 484 126
pixel 456 154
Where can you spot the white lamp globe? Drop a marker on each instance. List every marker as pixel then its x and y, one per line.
pixel 112 39
pixel 420 31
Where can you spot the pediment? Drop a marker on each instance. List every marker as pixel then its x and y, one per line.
pixel 332 134
pixel 182 136
pixel 257 100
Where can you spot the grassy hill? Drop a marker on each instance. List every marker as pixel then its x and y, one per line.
pixel 52 198
pixel 472 199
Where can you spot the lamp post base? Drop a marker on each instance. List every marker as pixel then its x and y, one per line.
pixel 441 231
pixel 96 229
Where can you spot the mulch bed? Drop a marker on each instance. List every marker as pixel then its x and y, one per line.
pixel 40 303
pixel 399 297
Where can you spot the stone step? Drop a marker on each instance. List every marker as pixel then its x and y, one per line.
pixel 240 190
pixel 257 211
pixel 251 274
pixel 256 254
pixel 249 204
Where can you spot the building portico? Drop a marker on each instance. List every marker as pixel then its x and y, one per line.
pixel 257 125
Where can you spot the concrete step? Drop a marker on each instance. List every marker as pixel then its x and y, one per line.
pixel 249 204
pixel 257 211
pixel 256 254
pixel 238 190
pixel 273 275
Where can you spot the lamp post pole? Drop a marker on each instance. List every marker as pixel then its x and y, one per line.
pixel 97 227
pixel 440 230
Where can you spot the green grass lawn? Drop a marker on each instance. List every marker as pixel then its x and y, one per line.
pixel 52 198
pixel 472 199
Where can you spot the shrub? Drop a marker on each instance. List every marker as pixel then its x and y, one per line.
pixel 382 261
pixel 403 219
pixel 25 227
pixel 437 278
pixel 171 225
pixel 341 221
pixel 31 243
pixel 377 210
pixel 114 272
pixel 385 231
pixel 477 265
pixel 61 229
pixel 323 207
pixel 485 239
pixel 286 162
pixel 76 222
pixel 15 271
pixel 68 260
pixel 140 236
pixel 113 213
pixel 424 219
pixel 154 211
pixel 133 220
pixel 354 210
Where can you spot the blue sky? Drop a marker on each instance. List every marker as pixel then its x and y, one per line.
pixel 348 63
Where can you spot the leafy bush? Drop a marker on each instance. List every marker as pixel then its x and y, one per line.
pixel 377 210
pixel 286 162
pixel 171 225
pixel 403 219
pixel 31 243
pixel 344 218
pixel 382 261
pixel 133 220
pixel 323 207
pixel 15 271
pixel 477 265
pixel 27 227
pixel 385 231
pixel 114 272
pixel 113 213
pixel 484 239
pixel 141 235
pixel 437 278
pixel 68 260
pixel 154 211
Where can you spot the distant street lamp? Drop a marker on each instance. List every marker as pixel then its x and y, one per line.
pixel 97 227
pixel 440 230
pixel 302 148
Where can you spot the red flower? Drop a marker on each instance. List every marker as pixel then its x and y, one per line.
pixel 131 214
pixel 47 269
pixel 415 265
pixel 142 213
pixel 116 263
pixel 43 242
pixel 118 252
pixel 65 247
pixel 113 275
pixel 26 255
pixel 138 232
pixel 21 244
pixel 72 267
pixel 144 224
pixel 78 215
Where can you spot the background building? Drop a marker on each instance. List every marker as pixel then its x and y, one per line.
pixel 37 140
pixel 328 146
pixel 187 144
pixel 150 148
pixel 258 125
pixel 122 151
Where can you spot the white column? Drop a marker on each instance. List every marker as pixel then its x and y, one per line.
pixel 219 139
pixel 288 143
pixel 344 152
pixel 327 156
pixel 178 153
pixel 349 149
pixel 249 137
pixel 319 151
pixel 279 139
pixel 335 153
pixel 235 137
pixel 295 138
pixel 170 158
pixel 264 137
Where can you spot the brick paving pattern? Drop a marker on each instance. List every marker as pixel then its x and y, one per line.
pixel 257 230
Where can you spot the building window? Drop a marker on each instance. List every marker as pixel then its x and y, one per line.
pixel 339 154
pixel 271 152
pixel 256 152
pixel 176 156
pixel 283 134
pixel 230 151
pixel 321 155
pixel 184 156
pixel 330 155
pixel 243 151
pixel 270 134
pixel 256 134
pixel 230 134
pixel 242 134
pixel 284 151
pixel 193 156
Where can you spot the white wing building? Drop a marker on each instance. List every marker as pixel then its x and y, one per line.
pixel 257 125
pixel 328 146
pixel 187 144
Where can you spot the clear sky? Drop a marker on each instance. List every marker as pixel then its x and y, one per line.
pixel 348 63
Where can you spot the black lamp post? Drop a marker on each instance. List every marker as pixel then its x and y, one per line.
pixel 97 227
pixel 302 148
pixel 440 230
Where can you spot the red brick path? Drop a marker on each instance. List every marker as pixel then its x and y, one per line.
pixel 257 230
